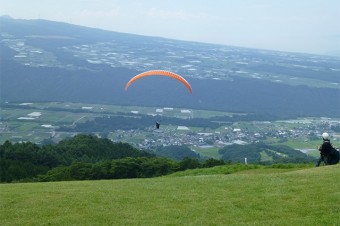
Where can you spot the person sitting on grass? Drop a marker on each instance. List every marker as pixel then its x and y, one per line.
pixel 328 154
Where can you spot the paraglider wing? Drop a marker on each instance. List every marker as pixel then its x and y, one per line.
pixel 159 72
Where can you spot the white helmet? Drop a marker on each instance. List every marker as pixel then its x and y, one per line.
pixel 325 136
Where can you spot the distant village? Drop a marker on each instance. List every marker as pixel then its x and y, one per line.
pixel 302 130
pixel 236 133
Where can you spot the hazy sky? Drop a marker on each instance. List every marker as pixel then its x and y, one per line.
pixel 311 26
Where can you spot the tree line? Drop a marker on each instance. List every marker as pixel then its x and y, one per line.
pixel 86 157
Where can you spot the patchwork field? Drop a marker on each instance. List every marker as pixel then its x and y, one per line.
pixel 38 122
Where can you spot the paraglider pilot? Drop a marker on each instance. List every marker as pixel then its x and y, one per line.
pixel 325 150
pixel 157 125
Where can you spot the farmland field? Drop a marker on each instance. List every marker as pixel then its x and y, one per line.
pixel 38 122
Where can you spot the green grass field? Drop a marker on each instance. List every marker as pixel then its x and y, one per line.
pixel 261 196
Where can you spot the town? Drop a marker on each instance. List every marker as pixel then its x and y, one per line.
pixel 38 122
pixel 305 133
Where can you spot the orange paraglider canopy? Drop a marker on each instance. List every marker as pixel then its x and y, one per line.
pixel 159 72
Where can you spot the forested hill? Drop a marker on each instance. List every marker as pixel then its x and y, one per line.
pixel 87 157
pixel 50 61
pixel 25 160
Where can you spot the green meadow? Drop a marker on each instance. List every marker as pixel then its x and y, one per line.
pixel 254 196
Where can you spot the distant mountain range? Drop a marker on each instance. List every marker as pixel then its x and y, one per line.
pixel 51 61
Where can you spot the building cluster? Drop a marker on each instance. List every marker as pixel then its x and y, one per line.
pixel 303 130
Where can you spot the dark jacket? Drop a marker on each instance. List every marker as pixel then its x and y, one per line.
pixel 326 147
pixel 328 153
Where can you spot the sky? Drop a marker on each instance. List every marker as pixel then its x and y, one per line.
pixel 308 26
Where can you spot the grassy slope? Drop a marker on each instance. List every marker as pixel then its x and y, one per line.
pixel 256 197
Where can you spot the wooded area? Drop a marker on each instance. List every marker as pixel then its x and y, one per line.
pixel 86 157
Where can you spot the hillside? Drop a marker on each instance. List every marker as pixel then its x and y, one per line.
pixel 51 61
pixel 260 152
pixel 87 157
pixel 255 197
